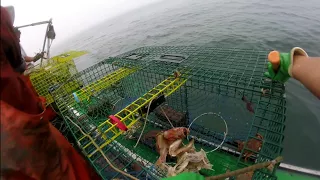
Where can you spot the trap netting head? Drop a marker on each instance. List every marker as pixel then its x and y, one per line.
pixel 237 114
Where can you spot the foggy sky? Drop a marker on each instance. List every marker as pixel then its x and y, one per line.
pixel 69 17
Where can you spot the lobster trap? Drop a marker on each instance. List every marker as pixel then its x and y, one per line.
pixel 220 95
pixel 52 72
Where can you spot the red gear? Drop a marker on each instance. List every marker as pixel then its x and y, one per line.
pixel 31 148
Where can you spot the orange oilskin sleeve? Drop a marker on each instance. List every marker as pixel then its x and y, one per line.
pixel 31 148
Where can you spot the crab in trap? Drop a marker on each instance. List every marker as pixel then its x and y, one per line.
pixel 188 159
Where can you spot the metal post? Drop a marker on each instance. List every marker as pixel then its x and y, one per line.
pixel 34 24
pixel 48 48
pixel 44 44
pixel 45 36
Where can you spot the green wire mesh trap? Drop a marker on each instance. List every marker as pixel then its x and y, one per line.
pixel 228 83
pixel 54 71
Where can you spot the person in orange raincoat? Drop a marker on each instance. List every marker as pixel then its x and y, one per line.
pixel 31 148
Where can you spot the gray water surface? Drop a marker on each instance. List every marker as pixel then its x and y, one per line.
pixel 263 25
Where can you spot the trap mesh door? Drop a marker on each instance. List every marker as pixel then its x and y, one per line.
pixel 214 80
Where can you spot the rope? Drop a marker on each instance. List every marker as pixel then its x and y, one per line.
pixel 225 123
pixel 247 169
pixel 144 125
pixel 55 110
pixel 102 153
pixel 166 117
pixel 50 43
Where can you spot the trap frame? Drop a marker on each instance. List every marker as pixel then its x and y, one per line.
pixel 186 82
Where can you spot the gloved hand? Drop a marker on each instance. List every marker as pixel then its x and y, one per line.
pixel 38 56
pixel 186 175
pixel 280 64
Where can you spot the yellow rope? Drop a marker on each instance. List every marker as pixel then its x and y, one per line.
pixel 100 150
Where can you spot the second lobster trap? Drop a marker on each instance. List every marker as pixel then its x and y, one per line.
pixel 219 95
pixel 46 76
